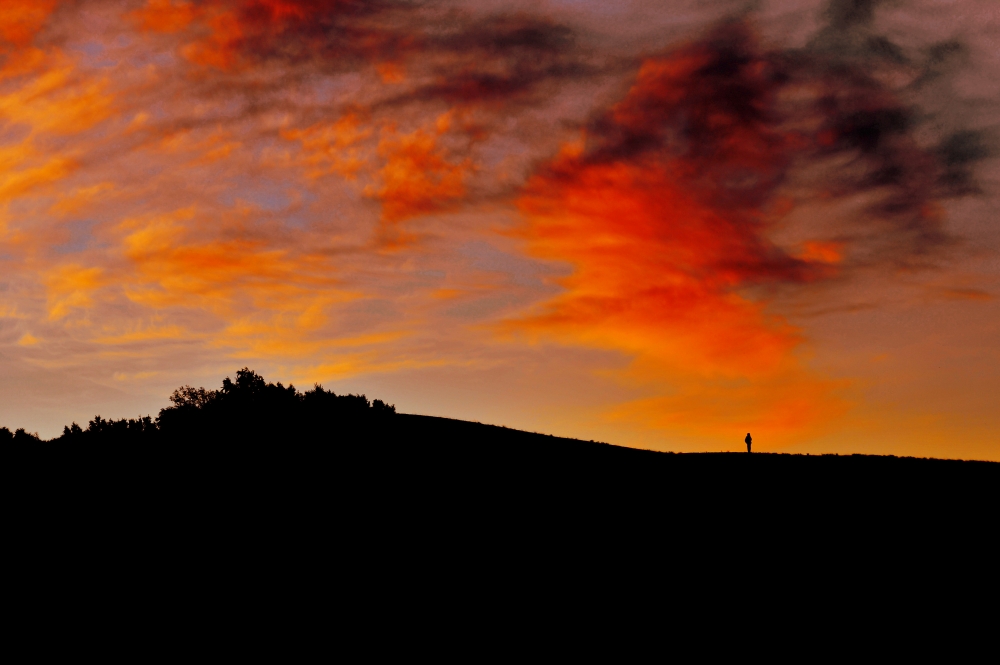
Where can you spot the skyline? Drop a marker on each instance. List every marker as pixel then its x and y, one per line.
pixel 654 224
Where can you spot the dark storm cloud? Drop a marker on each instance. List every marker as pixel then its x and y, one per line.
pixel 443 54
pixel 500 58
pixel 848 13
pixel 741 121
pixel 958 154
pixel 848 48
pixel 737 121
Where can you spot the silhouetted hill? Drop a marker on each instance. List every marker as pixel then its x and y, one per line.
pixel 265 495
pixel 254 436
pixel 451 452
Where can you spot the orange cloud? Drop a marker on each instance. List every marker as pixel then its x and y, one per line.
pixel 654 269
pixel 166 16
pixel 220 48
pixel 654 276
pixel 145 334
pixel 417 177
pixel 20 182
pixel 45 100
pixel 81 198
pixel 414 174
pixel 21 20
pixel 57 102
pixel 71 287
pixel 270 299
pixel 20 23
pixel 230 35
pixel 823 252
pixel 172 268
pixel 332 148
pixel 664 231
pixel 390 72
pixel 250 296
pixel 216 27
pixel 27 339
pixel 779 408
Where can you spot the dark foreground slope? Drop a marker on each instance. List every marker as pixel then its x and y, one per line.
pixel 406 459
pixel 447 449
pixel 383 521
pixel 339 459
pixel 341 519
pixel 487 460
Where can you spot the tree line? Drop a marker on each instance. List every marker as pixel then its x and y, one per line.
pixel 247 409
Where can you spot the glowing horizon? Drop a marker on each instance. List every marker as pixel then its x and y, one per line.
pixel 654 224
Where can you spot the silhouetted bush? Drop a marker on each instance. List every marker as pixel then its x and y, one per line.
pixel 126 430
pixel 248 410
pixel 19 436
pixel 245 411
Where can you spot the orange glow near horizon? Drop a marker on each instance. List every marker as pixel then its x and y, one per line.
pixel 655 275
pixel 539 218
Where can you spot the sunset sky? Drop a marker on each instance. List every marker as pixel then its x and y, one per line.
pixel 654 223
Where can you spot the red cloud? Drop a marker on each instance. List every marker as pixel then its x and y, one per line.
pixel 234 34
pixel 21 20
pixel 665 212
pixel 417 178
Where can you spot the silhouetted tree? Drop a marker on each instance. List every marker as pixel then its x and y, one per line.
pixel 195 397
pixel 247 411
pixel 19 436
pixel 127 430
pixel 383 409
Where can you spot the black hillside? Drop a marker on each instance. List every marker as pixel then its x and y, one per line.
pixel 250 427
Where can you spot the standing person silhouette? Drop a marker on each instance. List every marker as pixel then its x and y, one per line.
pixel 749 440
